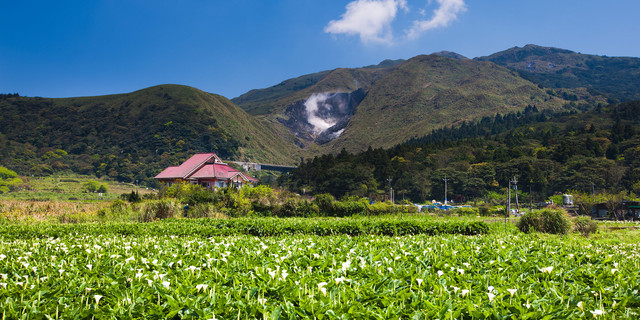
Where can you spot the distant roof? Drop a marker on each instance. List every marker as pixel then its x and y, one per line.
pixel 187 168
pixel 221 171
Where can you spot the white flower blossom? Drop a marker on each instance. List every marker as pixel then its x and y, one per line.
pixel 546 270
pixel 202 287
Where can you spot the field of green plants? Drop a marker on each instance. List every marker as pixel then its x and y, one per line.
pixel 157 272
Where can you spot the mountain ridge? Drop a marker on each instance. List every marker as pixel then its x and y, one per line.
pixel 616 77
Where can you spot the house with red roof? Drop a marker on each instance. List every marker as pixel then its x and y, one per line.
pixel 207 170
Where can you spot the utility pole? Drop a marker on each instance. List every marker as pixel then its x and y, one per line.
pixel 508 203
pixel 515 187
pixel 390 190
pixel 593 190
pixel 445 189
pixel 530 197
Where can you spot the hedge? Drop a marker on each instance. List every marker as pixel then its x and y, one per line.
pixel 256 227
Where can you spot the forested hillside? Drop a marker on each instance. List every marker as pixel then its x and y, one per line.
pixel 132 136
pixel 548 151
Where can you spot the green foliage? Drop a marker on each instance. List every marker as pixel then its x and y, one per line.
pixel 8 180
pixel 157 212
pixel 134 196
pixel 555 221
pixel 324 201
pixel 6 173
pixel 190 193
pixel 204 210
pixel 472 212
pixel 585 226
pixel 92 186
pixel 160 209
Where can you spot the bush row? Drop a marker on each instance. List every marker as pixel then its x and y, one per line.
pixel 255 227
pixel 267 202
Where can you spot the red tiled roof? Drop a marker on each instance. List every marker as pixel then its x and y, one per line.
pixel 220 171
pixel 184 170
pixel 203 166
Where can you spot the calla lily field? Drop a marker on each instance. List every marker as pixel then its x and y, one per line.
pixel 151 275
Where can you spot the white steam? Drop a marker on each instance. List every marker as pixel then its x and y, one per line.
pixel 313 106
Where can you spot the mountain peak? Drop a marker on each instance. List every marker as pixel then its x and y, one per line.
pixel 385 64
pixel 450 54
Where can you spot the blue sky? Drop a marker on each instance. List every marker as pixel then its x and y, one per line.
pixel 81 48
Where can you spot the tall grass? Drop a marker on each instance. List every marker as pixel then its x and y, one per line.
pixel 63 211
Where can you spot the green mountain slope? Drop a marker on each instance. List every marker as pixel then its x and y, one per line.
pixel 271 101
pixel 430 92
pixel 132 136
pixel 616 77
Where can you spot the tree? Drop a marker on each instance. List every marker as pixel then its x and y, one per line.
pixel 92 186
pixel 8 179
pixel 614 203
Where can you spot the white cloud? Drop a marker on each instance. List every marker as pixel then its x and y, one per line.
pixel 442 16
pixel 370 19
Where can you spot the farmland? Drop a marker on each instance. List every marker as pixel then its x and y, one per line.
pixel 157 272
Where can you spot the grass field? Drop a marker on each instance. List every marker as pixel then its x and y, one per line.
pixel 65 187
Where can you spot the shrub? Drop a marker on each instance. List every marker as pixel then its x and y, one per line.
pixel 466 211
pixel 308 209
pixel 498 211
pixel 484 210
pixel 102 188
pixel 348 208
pixel 288 209
pixel 379 208
pixel 160 209
pixel 585 226
pixel 204 210
pixel 325 203
pixel 92 186
pixel 134 196
pixel 236 204
pixel 555 221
